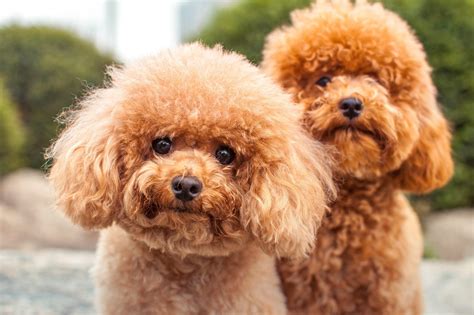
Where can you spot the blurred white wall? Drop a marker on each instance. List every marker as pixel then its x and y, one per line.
pixel 127 28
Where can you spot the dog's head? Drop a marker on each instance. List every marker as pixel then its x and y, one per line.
pixel 365 84
pixel 193 151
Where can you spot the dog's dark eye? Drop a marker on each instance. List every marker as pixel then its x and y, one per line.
pixel 323 81
pixel 161 145
pixel 225 155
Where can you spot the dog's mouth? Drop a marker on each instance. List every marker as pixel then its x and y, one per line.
pixel 352 128
pixel 152 209
pixel 355 130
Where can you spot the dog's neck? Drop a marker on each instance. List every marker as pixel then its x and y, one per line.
pixel 351 188
pixel 177 266
pixel 159 281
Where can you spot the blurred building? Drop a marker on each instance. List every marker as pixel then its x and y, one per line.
pixel 129 29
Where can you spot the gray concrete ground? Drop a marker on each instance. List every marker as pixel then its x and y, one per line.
pixel 50 282
pixel 448 287
pixel 46 282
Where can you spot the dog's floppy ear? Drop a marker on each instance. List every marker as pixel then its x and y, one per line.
pixel 288 197
pixel 430 165
pixel 85 172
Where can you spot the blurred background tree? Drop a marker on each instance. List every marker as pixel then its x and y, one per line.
pixel 446 28
pixel 12 133
pixel 44 69
pixel 243 26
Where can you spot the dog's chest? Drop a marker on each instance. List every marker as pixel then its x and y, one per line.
pixel 357 243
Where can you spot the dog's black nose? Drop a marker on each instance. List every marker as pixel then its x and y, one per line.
pixel 186 188
pixel 351 107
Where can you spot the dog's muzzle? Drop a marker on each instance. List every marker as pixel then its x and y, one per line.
pixel 351 107
pixel 186 188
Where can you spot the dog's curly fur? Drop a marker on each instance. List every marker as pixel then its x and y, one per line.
pixel 369 247
pixel 162 255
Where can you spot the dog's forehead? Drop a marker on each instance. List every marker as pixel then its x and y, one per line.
pixel 209 104
pixel 364 38
pixel 237 117
pixel 202 92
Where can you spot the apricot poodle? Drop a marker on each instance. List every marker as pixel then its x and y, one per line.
pixel 364 83
pixel 197 178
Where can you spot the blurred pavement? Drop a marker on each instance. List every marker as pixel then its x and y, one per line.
pixel 58 282
pixel 448 287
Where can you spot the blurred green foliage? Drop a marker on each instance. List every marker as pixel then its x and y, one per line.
pixel 429 252
pixel 446 28
pixel 242 27
pixel 12 133
pixel 44 69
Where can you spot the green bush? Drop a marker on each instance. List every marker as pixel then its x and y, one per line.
pixel 12 134
pixel 243 26
pixel 44 70
pixel 446 28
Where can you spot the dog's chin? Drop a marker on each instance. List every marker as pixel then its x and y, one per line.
pixel 180 246
pixel 359 152
pixel 151 211
pixel 186 231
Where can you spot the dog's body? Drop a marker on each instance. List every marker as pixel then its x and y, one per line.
pixel 183 157
pixel 147 281
pixel 363 81
pixel 366 259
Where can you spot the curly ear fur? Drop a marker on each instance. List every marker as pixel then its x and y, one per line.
pixel 85 171
pixel 288 197
pixel 430 164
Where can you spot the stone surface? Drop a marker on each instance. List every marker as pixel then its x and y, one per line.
pixel 450 234
pixel 448 287
pixel 28 218
pixel 58 282
pixel 46 282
